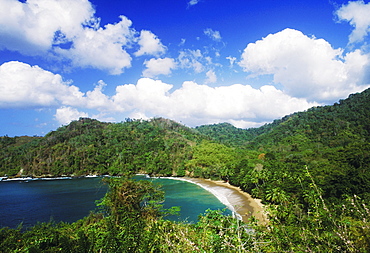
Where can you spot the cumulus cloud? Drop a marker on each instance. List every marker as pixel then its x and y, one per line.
pixel 96 99
pixel 147 95
pixel 23 85
pixel 101 48
pixel 196 104
pixel 65 115
pixel 358 15
pixel 68 29
pixel 150 44
pixel 30 27
pixel 155 67
pixel 239 102
pixel 214 35
pixel 193 104
pixel 306 67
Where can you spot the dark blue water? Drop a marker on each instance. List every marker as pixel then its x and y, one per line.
pixel 61 200
pixel 73 199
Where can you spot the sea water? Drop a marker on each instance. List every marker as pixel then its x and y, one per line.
pixel 68 200
pixel 192 199
pixel 29 202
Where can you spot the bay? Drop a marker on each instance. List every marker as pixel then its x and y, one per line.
pixel 68 200
pixel 193 199
pixel 41 200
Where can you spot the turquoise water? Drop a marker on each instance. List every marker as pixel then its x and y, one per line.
pixel 193 199
pixel 72 199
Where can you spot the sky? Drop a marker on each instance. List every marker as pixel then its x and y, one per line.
pixel 193 61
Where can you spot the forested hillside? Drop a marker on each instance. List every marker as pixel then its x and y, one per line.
pixel 88 146
pixel 332 142
pixel 311 170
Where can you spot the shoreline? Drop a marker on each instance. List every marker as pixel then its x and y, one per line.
pixel 239 202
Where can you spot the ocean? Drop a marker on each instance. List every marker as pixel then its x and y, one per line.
pixel 69 200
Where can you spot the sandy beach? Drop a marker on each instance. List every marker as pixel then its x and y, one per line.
pixel 233 197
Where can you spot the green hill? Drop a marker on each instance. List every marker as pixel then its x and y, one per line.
pixel 332 141
pixel 329 125
pixel 88 146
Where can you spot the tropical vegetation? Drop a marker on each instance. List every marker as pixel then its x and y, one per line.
pixel 311 170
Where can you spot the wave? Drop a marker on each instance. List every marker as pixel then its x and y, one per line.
pixel 26 179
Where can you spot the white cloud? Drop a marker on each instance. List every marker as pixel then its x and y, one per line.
pixel 147 95
pixel 65 115
pixel 155 67
pixel 358 15
pixel 214 35
pixel 232 60
pixel 246 124
pixel 150 44
pixel 138 115
pixel 211 77
pixel 102 48
pixel 30 27
pixel 43 27
pixel 96 99
pixel 191 59
pixel 195 104
pixel 238 102
pixel 23 85
pixel 306 67
pixel 193 2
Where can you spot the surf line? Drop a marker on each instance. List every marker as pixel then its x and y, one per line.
pixel 219 192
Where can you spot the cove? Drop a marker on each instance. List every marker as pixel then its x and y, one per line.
pixel 68 200
pixel 192 198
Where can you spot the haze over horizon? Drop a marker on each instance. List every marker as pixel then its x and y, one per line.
pixel 193 61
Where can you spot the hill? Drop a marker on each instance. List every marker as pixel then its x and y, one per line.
pixel 331 141
pixel 324 124
pixel 88 146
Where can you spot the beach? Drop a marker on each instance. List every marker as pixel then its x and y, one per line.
pixel 241 203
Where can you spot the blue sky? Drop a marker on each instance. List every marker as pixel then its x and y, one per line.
pixel 193 61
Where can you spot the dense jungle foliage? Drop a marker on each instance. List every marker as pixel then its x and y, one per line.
pixel 311 170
